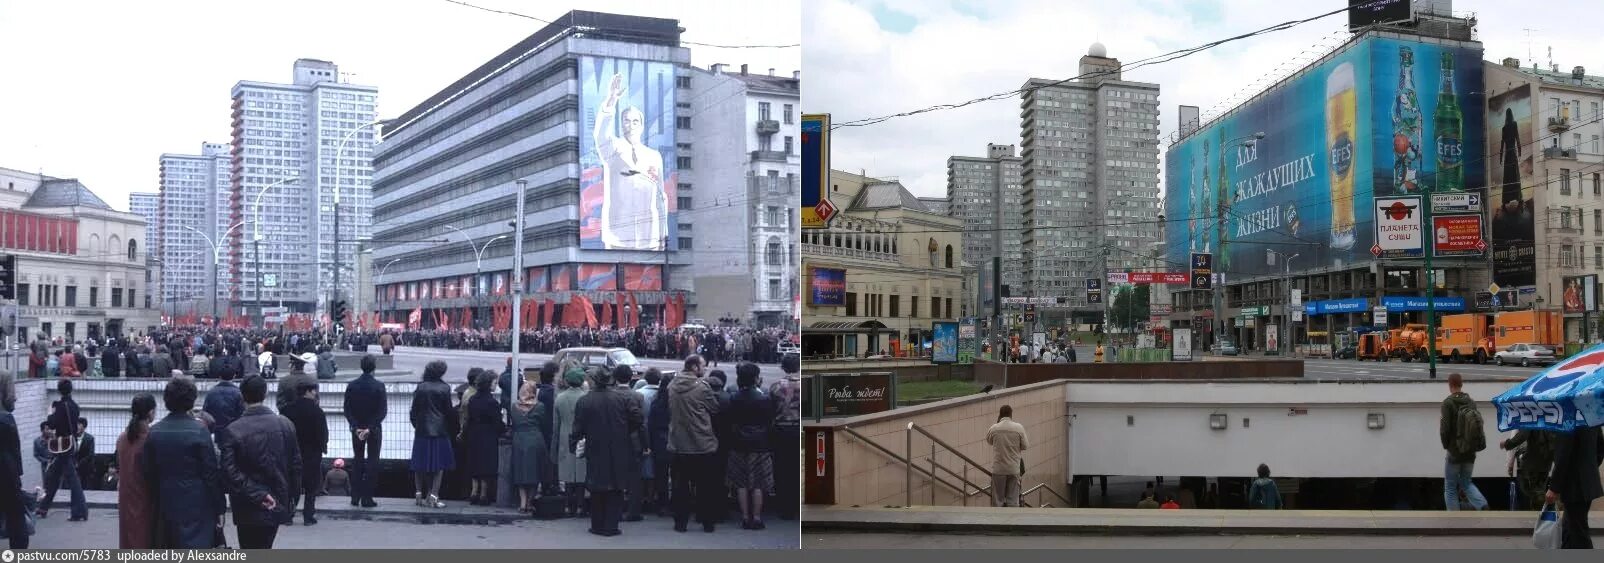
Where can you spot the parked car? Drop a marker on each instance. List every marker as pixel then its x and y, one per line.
pixel 1228 349
pixel 607 358
pixel 1346 352
pixel 788 348
pixel 1525 355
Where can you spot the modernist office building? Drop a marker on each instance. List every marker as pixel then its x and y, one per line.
pixel 588 112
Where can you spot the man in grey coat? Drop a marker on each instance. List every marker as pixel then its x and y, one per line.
pixel 694 443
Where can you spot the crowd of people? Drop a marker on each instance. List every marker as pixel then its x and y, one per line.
pixel 724 344
pixel 200 352
pixel 585 442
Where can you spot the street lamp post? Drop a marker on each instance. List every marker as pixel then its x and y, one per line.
pixel 517 289
pixel 1220 209
pixel 215 259
pixel 1286 317
pixel 337 191
pixel 478 265
pixel 257 243
pixel 381 274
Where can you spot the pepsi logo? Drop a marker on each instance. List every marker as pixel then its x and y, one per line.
pixel 1569 372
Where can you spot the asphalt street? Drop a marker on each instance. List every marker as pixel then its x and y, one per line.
pixel 413 359
pixel 968 541
pixel 100 532
pixel 1357 370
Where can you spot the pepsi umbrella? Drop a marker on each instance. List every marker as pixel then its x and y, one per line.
pixel 1562 398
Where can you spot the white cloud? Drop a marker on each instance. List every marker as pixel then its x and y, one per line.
pixel 860 70
pixel 98 89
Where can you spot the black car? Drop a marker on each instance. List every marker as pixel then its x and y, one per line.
pixel 1346 352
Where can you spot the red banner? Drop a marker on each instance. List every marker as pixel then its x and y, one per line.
pixel 1145 278
pixel 1457 235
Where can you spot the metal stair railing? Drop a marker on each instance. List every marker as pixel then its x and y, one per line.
pixel 967 463
pixel 1043 487
pixel 966 487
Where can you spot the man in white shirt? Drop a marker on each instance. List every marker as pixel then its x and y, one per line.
pixel 634 205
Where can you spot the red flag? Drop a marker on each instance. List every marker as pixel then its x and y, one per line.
pixel 634 310
pixel 551 311
pixel 606 312
pixel 415 318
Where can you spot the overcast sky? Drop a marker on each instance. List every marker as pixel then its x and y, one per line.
pixel 99 89
pixel 880 57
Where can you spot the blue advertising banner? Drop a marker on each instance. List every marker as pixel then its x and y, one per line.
pixel 944 343
pixel 1560 399
pixel 1384 117
pixel 626 154
pixel 827 287
pixel 1355 305
pixel 1396 304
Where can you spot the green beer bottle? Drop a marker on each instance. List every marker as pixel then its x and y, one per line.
pixel 1448 121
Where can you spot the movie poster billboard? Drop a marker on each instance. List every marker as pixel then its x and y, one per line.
pixel 1580 294
pixel 827 287
pixel 1509 164
pixel 1385 117
pixel 944 343
pixel 626 154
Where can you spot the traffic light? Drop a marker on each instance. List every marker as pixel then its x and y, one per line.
pixel 339 313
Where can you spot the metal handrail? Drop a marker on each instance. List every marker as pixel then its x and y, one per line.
pixel 903 460
pixel 933 438
pixel 1043 486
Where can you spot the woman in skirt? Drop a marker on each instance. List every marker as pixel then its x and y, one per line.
pixel 431 444
pixel 750 469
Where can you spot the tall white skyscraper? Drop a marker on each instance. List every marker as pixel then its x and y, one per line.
pixel 1090 178
pixel 319 130
pixel 191 206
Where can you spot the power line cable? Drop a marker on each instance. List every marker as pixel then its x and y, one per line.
pixel 623 34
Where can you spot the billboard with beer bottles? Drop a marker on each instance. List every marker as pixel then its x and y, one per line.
pixel 1383 117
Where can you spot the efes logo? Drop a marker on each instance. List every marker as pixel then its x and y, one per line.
pixel 1568 372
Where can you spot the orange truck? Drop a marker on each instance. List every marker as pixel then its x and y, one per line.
pixel 1475 337
pixel 1465 337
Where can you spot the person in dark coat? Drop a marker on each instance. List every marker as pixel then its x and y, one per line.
pixel 289 383
pixel 181 473
pixel 366 403
pixel 750 471
pixel 608 420
pixel 217 366
pixel 657 432
pixel 431 442
pixel 161 365
pixel 11 477
pixel 261 461
pixel 111 360
pixel 80 359
pixel 224 402
pixel 546 393
pixel 480 434
pixel 63 470
pixel 636 488
pixel 1575 483
pixel 312 436
pixel 135 366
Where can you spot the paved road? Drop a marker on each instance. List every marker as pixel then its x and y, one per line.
pixel 967 541
pixel 653 533
pixel 413 359
pixel 1354 369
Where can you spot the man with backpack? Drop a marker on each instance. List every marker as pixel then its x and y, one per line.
pixel 1462 434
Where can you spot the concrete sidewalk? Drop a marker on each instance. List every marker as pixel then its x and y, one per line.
pixel 1108 521
pixel 339 508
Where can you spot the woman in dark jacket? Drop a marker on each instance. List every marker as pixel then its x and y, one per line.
pixel 750 470
pixel 657 430
pixel 431 444
pixel 480 433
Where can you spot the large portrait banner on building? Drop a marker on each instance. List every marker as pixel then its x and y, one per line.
pixel 626 154
pixel 1509 146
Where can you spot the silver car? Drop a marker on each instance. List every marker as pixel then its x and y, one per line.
pixel 1525 355
pixel 606 358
